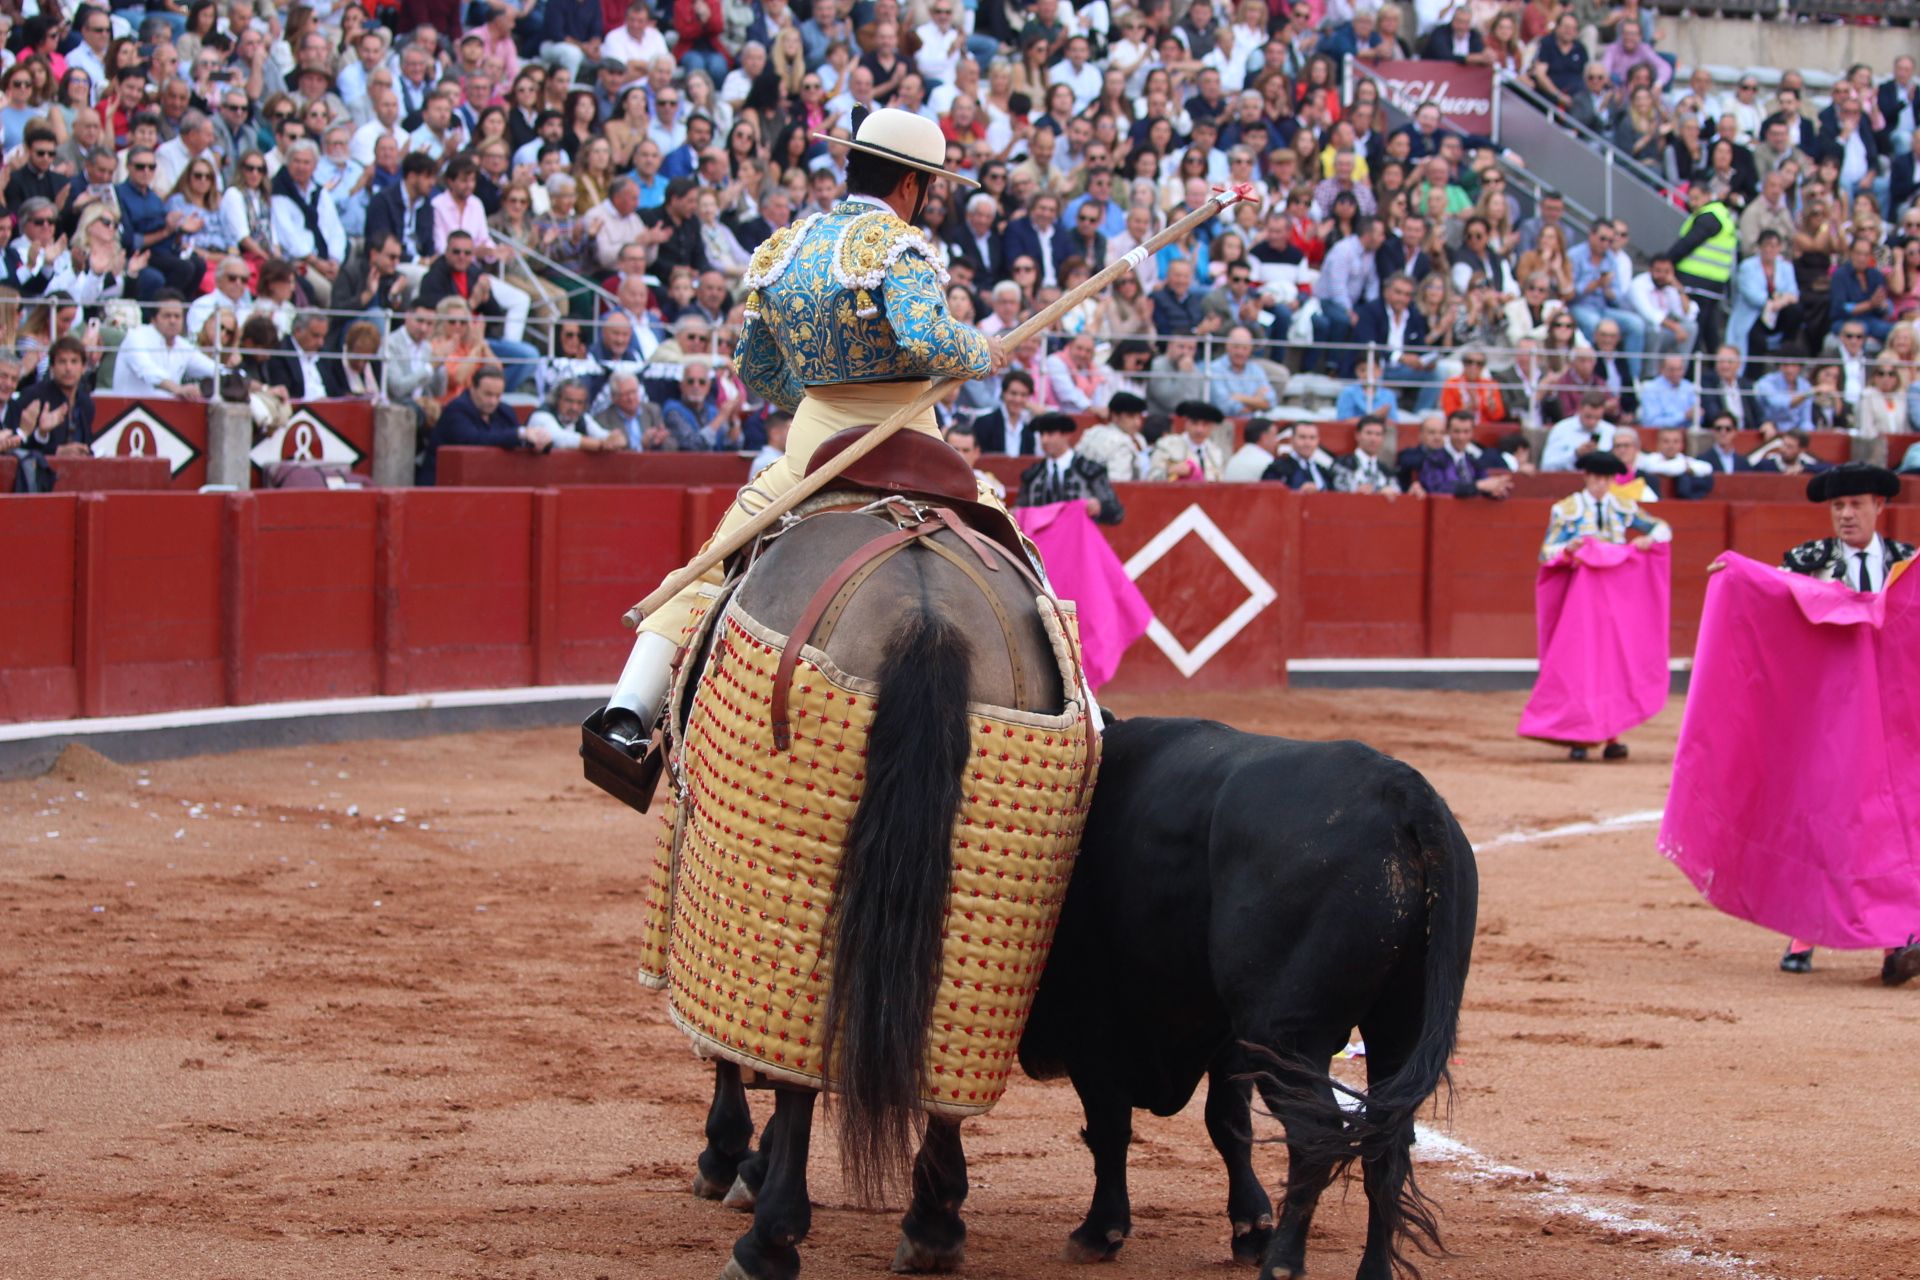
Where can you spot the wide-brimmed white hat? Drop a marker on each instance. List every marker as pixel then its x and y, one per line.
pixel 902 136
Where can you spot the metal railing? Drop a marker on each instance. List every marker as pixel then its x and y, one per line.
pixel 1618 187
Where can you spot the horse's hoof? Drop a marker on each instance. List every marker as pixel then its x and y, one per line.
pixel 1080 1249
pixel 1250 1242
pixel 707 1189
pixel 739 1197
pixel 914 1258
pixel 734 1271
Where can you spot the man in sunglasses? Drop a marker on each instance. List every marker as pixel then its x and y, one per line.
pixel 234 137
pixel 90 55
pixel 146 225
pixel 37 178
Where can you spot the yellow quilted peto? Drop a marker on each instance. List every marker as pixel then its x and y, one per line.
pixel 740 922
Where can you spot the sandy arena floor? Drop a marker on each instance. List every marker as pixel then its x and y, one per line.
pixel 368 1010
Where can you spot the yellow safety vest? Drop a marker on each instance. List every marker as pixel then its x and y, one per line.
pixel 1712 261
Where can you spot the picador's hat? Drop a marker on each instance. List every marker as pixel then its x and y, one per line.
pixel 1601 463
pixel 1850 478
pixel 905 138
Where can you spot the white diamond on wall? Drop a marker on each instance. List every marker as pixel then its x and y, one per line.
pixel 305 438
pixel 1260 592
pixel 138 434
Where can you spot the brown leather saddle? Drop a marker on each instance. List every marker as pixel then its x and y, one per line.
pixel 914 465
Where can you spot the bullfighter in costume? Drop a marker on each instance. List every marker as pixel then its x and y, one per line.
pixel 1600 512
pixel 1860 557
pixel 846 321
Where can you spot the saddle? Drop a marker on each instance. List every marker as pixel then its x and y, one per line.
pixel 912 465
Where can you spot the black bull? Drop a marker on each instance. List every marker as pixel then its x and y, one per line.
pixel 1240 903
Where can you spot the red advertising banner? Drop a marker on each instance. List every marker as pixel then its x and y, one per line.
pixel 1464 94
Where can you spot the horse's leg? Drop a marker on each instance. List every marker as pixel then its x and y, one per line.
pixel 782 1215
pixel 1312 1131
pixel 932 1236
pixel 753 1173
pixel 729 1133
pixel 1230 1125
pixel 1109 1220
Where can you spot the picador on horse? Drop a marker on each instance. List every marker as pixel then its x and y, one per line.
pixel 878 724
pixel 882 750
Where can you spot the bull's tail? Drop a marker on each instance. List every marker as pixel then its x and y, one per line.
pixel 890 902
pixel 1385 1129
pixel 1376 1126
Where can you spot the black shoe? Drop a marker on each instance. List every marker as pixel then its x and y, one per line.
pixel 1801 962
pixel 1902 964
pixel 1577 753
pixel 1615 751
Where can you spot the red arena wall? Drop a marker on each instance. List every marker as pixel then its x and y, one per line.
pixel 131 602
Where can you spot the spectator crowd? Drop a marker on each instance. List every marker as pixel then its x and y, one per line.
pixel 459 204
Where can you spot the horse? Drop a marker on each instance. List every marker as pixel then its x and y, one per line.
pixel 1239 904
pixel 938 623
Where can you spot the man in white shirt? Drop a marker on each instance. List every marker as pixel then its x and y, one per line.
pixel 90 55
pixel 439 134
pixel 306 225
pixel 1573 438
pixel 155 361
pixel 356 78
pixel 229 293
pixel 1077 73
pixel 858 93
pixel 385 119
pixel 569 424
pixel 172 158
pixel 942 45
pixel 638 42
pixel 1252 459
pixel 1673 319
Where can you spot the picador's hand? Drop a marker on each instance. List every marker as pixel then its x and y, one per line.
pixel 998 354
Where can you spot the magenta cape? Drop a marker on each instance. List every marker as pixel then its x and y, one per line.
pixel 1083 569
pixel 1793 801
pixel 1602 619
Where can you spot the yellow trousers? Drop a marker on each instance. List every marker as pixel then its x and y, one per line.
pixel 823 412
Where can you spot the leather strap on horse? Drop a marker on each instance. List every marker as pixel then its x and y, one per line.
pixel 885 544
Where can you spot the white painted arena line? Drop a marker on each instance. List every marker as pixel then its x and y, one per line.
pixel 1555 1196
pixel 1620 822
pixel 266 711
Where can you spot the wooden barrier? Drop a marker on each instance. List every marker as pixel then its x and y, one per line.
pixel 611 546
pixel 457 589
pixel 302 609
pixel 470 466
pixel 1219 565
pixel 39 679
pixel 1765 531
pixel 1363 577
pixel 95 475
pixel 148 616
pixel 141 602
pixel 1483 559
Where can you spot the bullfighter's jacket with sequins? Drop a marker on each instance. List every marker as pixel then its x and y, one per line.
pixel 854 295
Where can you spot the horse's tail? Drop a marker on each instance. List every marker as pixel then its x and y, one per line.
pixel 1376 1127
pixel 891 900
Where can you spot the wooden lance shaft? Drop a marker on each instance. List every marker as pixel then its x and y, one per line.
pixel 818 480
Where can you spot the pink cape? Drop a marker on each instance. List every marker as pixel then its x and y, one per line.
pixel 1602 620
pixel 1793 802
pixel 1083 569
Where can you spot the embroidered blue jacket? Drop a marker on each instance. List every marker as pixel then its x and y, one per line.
pixel 854 295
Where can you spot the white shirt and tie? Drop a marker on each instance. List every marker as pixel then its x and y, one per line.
pixel 1866 566
pixel 1058 471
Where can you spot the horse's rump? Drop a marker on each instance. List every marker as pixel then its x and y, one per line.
pixel 754 845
